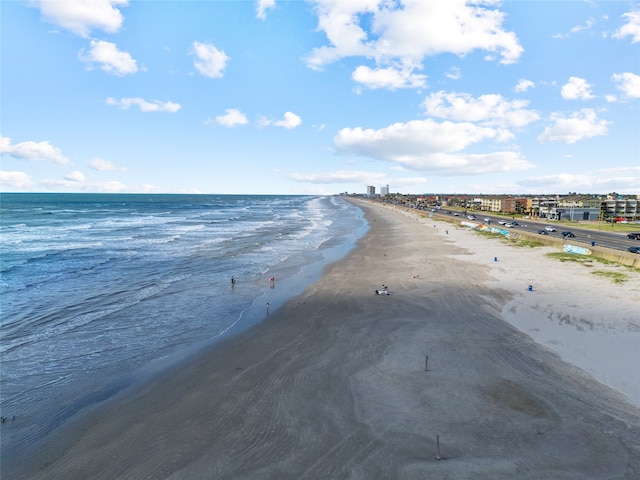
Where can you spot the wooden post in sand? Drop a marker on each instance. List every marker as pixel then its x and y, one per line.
pixel 426 363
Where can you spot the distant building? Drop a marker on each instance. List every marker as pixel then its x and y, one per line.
pixel 371 191
pixel 384 190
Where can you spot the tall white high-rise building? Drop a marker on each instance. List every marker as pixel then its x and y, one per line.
pixel 384 190
pixel 371 191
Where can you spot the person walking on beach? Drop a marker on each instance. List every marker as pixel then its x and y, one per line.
pixel 267 308
pixel 233 281
pixel 272 282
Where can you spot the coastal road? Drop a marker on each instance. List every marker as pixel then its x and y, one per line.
pixel 604 238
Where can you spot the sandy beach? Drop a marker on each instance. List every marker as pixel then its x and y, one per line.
pixel 336 384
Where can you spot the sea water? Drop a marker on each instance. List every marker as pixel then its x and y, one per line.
pixel 97 287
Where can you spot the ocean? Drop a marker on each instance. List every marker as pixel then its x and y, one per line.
pixel 100 291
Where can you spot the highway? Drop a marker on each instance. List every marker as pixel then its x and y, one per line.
pixel 583 237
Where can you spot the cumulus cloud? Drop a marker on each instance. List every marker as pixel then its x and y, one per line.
pixel 429 146
pixel 15 180
pixel 33 151
pixel 628 83
pixel 231 118
pixel 262 7
pixel 75 176
pixel 102 165
pixel 523 85
pixel 576 89
pixel 488 110
pixel 110 59
pixel 143 105
pixel 82 16
pixel 631 28
pixel 389 78
pixel 399 36
pixel 290 120
pixel 580 125
pixel 210 61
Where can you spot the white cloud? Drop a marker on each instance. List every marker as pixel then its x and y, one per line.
pixel 211 62
pixel 389 78
pixel 628 83
pixel 402 35
pixel 622 180
pixel 143 105
pixel 342 176
pixel 103 165
pixel 454 73
pixel 111 59
pixel 578 28
pixel 75 176
pixel 488 110
pixel 290 120
pixel 581 125
pixel 15 180
pixel 427 145
pixel 33 151
pixel 576 89
pixel 75 184
pixel 262 7
pixel 631 28
pixel 232 118
pixel 82 16
pixel 524 85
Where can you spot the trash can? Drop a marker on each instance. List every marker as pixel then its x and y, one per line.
pixel 593 244
pixel 530 288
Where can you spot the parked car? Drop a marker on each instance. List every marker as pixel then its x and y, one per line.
pixel 634 236
pixel 471 217
pixel 549 228
pixel 510 225
pixel 543 232
pixel 634 249
pixel 568 234
pixel 502 222
pixel 487 220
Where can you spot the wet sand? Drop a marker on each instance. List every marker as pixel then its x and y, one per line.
pixel 333 385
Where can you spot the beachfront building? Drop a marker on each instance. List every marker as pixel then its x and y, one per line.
pixel 620 209
pixel 384 190
pixel 371 191
pixel 501 203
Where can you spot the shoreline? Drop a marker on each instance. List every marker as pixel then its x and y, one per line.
pixel 333 385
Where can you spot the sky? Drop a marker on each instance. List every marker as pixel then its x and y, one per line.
pixel 320 96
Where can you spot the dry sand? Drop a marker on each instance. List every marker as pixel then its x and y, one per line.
pixel 333 385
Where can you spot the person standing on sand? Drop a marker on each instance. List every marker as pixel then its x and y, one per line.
pixel 233 281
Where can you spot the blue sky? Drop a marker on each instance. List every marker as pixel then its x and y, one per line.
pixel 320 96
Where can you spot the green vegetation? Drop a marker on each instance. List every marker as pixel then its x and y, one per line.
pixel 589 261
pixel 616 277
pixel 514 242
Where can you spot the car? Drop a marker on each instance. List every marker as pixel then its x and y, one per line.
pixel 487 220
pixel 543 232
pixel 515 224
pixel 471 217
pixel 502 222
pixel 568 234
pixel 634 249
pixel 456 214
pixel 509 225
pixel 634 236
pixel 549 228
